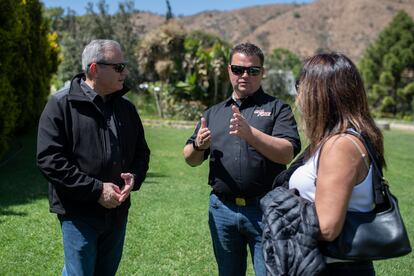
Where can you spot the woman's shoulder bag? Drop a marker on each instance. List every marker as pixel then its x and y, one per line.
pixel 379 234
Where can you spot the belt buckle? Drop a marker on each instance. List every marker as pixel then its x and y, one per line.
pixel 240 201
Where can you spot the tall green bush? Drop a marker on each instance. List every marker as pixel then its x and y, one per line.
pixel 9 35
pixel 28 59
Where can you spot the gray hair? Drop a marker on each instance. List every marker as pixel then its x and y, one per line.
pixel 94 51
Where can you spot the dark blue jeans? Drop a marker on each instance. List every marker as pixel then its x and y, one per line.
pixel 232 229
pixel 92 246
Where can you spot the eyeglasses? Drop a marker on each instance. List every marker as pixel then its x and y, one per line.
pixel 251 70
pixel 297 86
pixel 118 67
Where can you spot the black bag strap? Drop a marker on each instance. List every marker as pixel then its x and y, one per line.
pixel 377 179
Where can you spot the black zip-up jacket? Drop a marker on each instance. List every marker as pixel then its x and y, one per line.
pixel 72 150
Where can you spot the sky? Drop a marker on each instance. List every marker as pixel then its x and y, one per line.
pixel 178 7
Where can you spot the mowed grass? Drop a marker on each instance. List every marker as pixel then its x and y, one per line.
pixel 167 232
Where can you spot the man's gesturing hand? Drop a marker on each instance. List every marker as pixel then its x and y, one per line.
pixel 110 195
pixel 128 185
pixel 238 124
pixel 203 139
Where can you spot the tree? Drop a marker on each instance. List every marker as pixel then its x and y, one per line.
pixel 169 15
pixel 387 67
pixel 205 66
pixel 282 69
pixel 159 55
pixel 29 57
pixel 74 32
pixel 190 67
pixel 66 25
pixel 127 33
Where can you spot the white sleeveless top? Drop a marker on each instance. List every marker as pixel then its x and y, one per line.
pixel 304 180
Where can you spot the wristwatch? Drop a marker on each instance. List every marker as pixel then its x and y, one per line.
pixel 196 147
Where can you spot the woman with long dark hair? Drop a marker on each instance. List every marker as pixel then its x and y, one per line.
pixel 337 172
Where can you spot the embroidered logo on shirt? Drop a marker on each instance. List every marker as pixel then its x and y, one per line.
pixel 262 113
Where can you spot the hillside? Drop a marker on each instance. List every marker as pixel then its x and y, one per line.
pixel 341 25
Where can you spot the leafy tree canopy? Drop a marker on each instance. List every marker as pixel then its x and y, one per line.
pixel 74 32
pixel 387 67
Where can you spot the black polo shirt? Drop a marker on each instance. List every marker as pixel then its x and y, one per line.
pixel 236 168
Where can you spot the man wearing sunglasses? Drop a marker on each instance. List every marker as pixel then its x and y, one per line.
pixel 92 150
pixel 249 138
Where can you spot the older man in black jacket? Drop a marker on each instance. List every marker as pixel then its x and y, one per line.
pixel 92 150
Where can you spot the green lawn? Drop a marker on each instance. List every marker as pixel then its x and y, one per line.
pixel 167 231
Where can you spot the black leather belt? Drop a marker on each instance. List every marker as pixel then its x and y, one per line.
pixel 239 201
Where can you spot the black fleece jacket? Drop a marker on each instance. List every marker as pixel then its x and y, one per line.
pixel 72 150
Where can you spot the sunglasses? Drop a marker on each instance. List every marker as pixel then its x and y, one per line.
pixel 297 86
pixel 251 70
pixel 118 67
